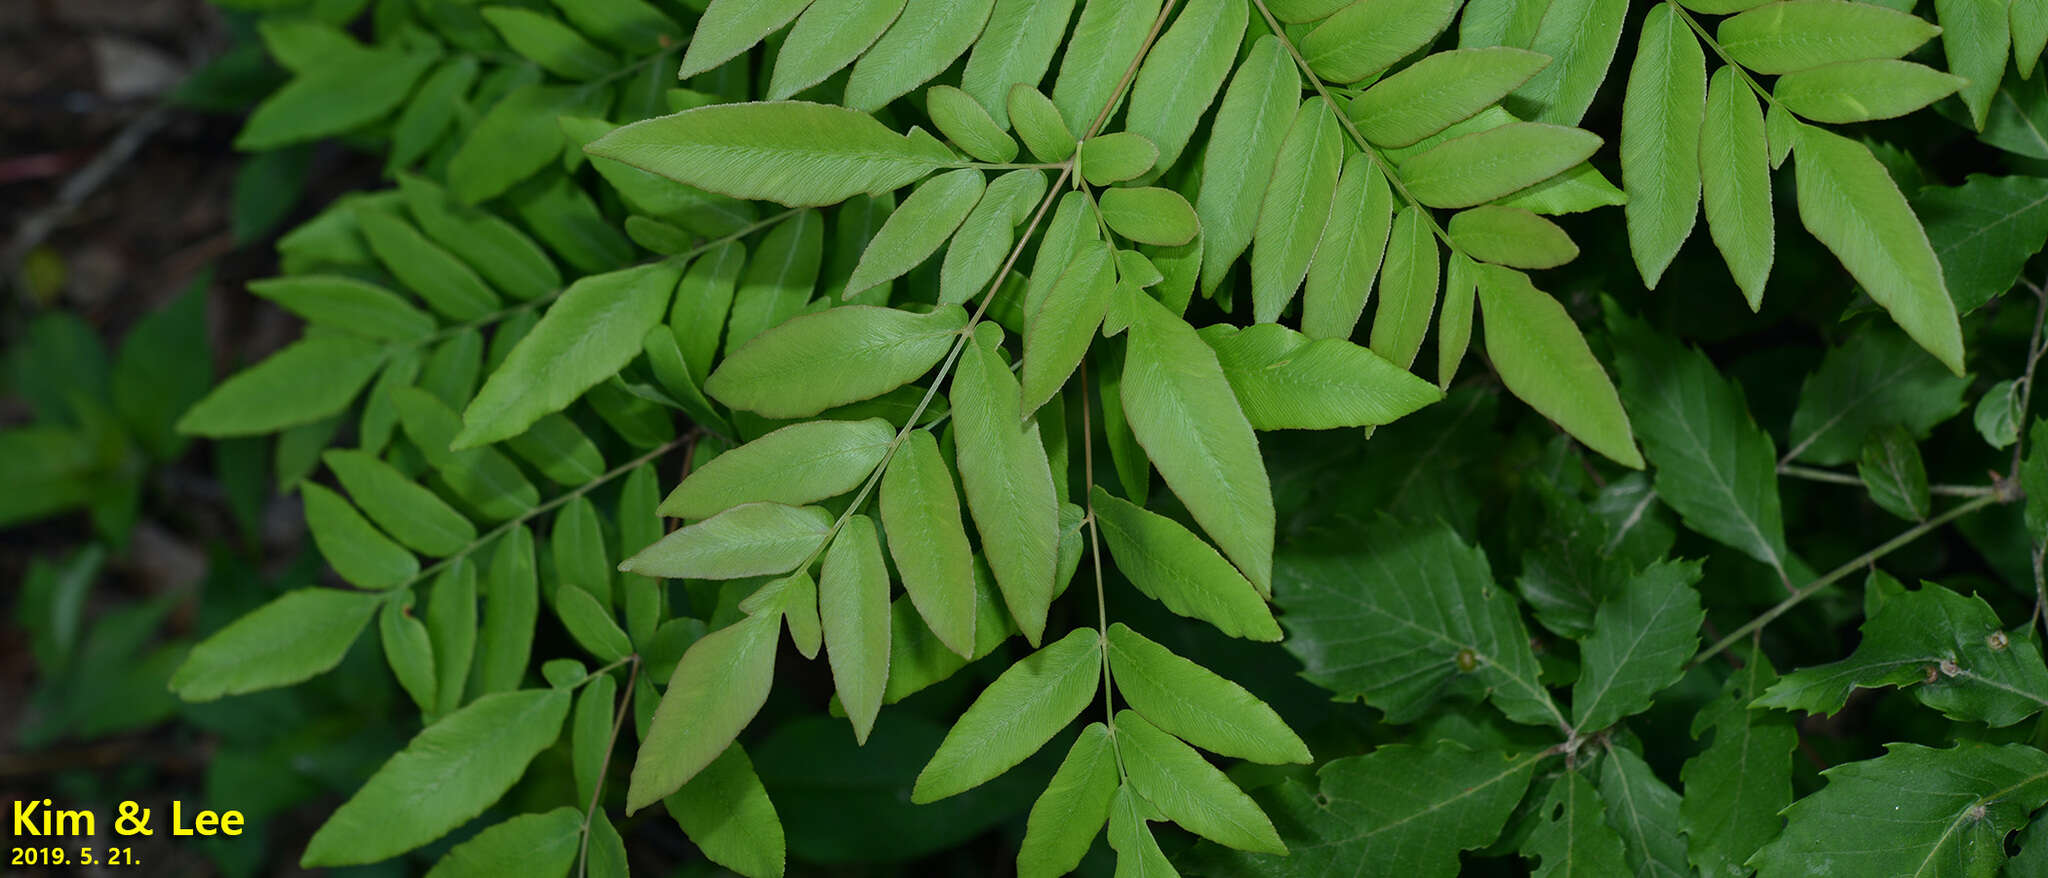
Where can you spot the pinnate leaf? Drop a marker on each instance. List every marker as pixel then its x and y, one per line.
pixel 829 35
pixel 302 633
pixel 751 539
pixel 1073 808
pixel 716 689
pixel 1512 237
pixel 1794 35
pixel 1193 703
pixel 726 812
pixel 1244 141
pixel 917 228
pixel 1439 91
pixel 1735 183
pixel 587 336
pixel 1008 481
pixel 1848 201
pixel 1182 410
pixel 309 380
pixel 536 844
pixel 1150 215
pixel 1189 791
pixel 1543 359
pixel 1662 114
pixel 795 153
pixel 1173 566
pixel 1025 706
pixel 1859 91
pixel 449 773
pixel 358 551
pixel 921 512
pixel 1481 167
pixel 798 464
pixel 834 357
pixel 1286 381
pixel 1367 37
pixel 853 605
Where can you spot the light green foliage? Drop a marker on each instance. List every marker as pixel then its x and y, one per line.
pixel 1660 140
pixel 751 539
pixel 446 775
pixel 798 464
pixel 1847 200
pixel 1008 483
pixel 1284 380
pixel 1295 208
pixel 581 341
pixel 799 154
pixel 1192 703
pixel 853 606
pixel 718 686
pixel 1544 359
pixel 540 843
pixel 695 248
pixel 1439 91
pixel 727 812
pixel 1015 716
pixel 299 634
pixel 1735 183
pixel 920 508
pixel 1073 809
pixel 1169 563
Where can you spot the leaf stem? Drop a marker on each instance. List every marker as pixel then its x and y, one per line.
pixel 688 438
pixel 1832 576
pixel 2034 350
pixel 1816 474
pixel 945 370
pixel 1740 71
pixel 1095 555
pixel 597 789
pixel 538 301
pixel 1371 152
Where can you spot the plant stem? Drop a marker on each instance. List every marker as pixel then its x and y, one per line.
pixel 1045 204
pixel 1095 555
pixel 687 438
pixel 1708 39
pixel 597 790
pixel 2034 350
pixel 1371 152
pixel 538 301
pixel 1854 564
pixel 1816 474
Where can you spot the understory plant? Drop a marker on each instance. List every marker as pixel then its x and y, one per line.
pixel 1039 365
